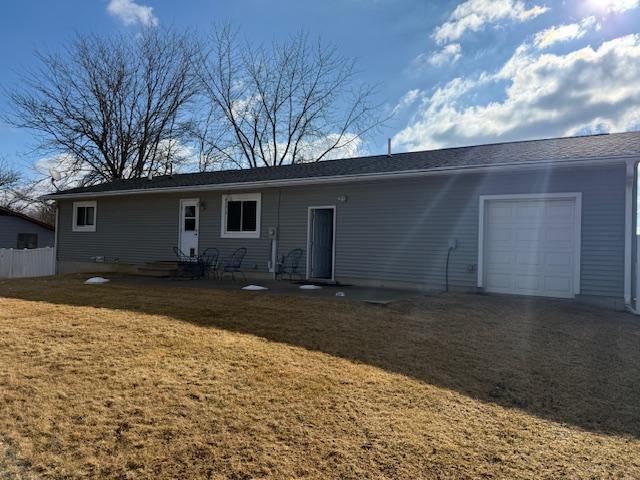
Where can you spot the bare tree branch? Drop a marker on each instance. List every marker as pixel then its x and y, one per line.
pixel 293 102
pixel 112 105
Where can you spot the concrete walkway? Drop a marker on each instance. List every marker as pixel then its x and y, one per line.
pixel 381 296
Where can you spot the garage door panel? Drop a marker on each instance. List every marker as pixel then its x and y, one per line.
pixel 530 211
pixel 558 260
pixel 559 234
pixel 527 283
pixel 528 258
pixel 561 211
pixel 560 284
pixel 528 234
pixel 530 246
pixel 502 213
pixel 500 234
pixel 501 258
pixel 498 281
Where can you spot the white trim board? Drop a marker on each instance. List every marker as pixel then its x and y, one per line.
pixel 577 196
pixel 333 250
pixel 336 179
pixel 74 217
pixel 628 232
pixel 257 197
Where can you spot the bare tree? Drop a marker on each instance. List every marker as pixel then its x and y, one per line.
pixel 295 102
pixel 8 176
pixel 114 107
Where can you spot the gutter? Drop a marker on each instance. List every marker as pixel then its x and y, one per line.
pixel 343 178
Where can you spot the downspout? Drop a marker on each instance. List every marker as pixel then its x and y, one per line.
pixel 274 240
pixel 631 269
pixel 55 240
pixel 636 234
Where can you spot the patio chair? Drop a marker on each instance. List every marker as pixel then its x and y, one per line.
pixel 233 264
pixel 209 261
pixel 187 266
pixel 290 263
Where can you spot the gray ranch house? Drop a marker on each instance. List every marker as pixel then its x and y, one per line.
pixel 552 218
pixel 21 231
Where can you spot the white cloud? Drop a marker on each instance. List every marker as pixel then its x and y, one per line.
pixel 474 15
pixel 132 13
pixel 546 95
pixel 612 6
pixel 449 54
pixel 407 100
pixel 564 33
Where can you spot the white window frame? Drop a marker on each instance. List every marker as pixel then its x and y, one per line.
pixel 576 196
pixel 85 228
pixel 257 197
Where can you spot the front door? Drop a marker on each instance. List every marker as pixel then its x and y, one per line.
pixel 321 239
pixel 189 223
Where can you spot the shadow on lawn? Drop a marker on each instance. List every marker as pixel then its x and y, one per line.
pixel 557 360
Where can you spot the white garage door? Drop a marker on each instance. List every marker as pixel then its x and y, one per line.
pixel 530 246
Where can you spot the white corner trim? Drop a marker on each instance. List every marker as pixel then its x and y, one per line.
pixel 333 250
pixel 257 197
pixel 533 196
pixel 84 228
pixel 628 232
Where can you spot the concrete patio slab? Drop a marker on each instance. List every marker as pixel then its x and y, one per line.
pixel 371 295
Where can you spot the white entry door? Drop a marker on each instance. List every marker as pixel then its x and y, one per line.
pixel 189 223
pixel 531 246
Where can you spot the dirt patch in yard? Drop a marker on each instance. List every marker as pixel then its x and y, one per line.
pixel 114 381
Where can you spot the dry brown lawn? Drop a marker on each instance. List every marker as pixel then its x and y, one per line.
pixel 117 382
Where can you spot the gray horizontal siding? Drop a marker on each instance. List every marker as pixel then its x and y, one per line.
pixel 400 230
pixel 386 231
pixel 11 226
pixel 138 229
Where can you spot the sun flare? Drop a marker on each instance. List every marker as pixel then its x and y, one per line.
pixel 611 6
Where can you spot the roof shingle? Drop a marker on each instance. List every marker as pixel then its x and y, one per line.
pixel 557 150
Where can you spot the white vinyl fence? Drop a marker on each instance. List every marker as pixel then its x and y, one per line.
pixel 37 262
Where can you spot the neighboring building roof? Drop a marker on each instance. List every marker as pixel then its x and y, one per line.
pixel 558 150
pixel 8 212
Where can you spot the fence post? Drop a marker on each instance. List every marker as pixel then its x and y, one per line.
pixel 11 263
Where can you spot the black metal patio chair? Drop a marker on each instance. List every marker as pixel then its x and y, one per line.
pixel 233 264
pixel 290 263
pixel 209 261
pixel 188 266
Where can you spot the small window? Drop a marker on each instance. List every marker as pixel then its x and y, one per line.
pixel 27 240
pixel 241 215
pixel 84 216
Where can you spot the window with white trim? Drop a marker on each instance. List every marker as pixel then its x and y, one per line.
pixel 84 216
pixel 241 215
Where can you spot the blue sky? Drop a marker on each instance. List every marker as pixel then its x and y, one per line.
pixel 451 72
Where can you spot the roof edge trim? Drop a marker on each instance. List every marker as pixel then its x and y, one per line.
pixel 344 178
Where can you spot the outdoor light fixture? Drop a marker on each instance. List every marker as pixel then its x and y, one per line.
pixel 342 198
pixel 203 206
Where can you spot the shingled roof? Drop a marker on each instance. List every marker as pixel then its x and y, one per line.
pixel 558 150
pixel 6 212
